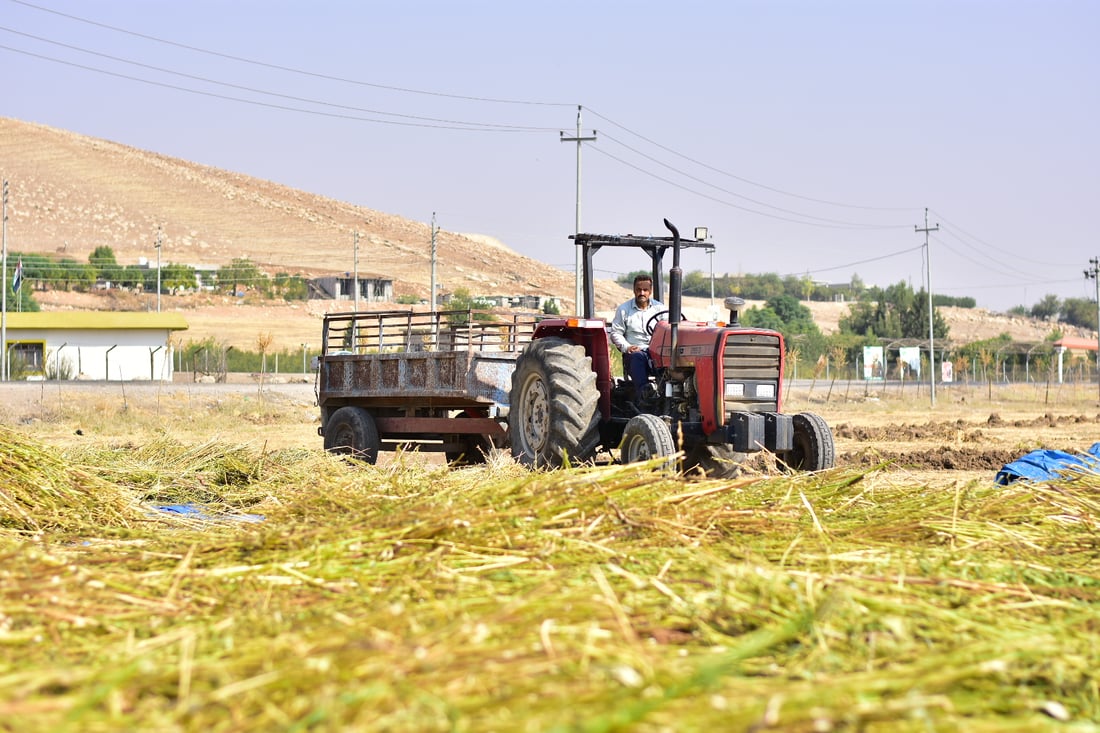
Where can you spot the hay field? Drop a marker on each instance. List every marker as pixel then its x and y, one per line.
pixel 890 593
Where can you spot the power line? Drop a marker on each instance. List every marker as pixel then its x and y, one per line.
pixel 739 178
pixel 861 262
pixel 740 196
pixel 268 105
pixel 732 205
pixel 290 69
pixel 241 87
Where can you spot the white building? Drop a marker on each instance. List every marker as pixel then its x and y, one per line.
pixel 104 345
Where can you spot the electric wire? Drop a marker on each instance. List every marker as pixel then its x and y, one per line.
pixel 745 198
pixel 241 87
pixel 732 205
pixel 277 67
pixel 258 103
pixel 418 121
pixel 739 178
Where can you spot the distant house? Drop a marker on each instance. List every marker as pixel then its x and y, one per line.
pixel 111 346
pixel 530 303
pixel 371 289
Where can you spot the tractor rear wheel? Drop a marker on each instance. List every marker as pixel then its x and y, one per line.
pixel 714 460
pixel 813 444
pixel 554 415
pixel 351 431
pixel 647 436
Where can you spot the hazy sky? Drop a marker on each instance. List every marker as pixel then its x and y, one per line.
pixel 808 135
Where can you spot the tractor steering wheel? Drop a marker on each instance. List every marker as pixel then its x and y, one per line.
pixel 652 322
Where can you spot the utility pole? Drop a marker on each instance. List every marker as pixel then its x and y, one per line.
pixel 4 290
pixel 931 340
pixel 355 270
pixel 1093 272
pixel 578 139
pixel 158 267
pixel 431 298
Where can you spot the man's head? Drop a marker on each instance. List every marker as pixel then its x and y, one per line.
pixel 643 290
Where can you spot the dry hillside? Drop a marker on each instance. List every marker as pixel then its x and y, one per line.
pixel 71 193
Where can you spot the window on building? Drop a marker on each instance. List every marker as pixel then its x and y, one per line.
pixel 27 353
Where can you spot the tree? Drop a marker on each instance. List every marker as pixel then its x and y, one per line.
pixel 1047 308
pixel 766 317
pixel 178 277
pixel 896 312
pixel 292 287
pixel 242 272
pixel 102 259
pixel 1079 312
pixel 696 283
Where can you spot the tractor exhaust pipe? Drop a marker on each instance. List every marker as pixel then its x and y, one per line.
pixel 675 288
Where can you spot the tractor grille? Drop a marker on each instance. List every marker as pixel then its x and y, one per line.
pixel 750 373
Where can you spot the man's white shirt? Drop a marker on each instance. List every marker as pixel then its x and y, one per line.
pixel 628 325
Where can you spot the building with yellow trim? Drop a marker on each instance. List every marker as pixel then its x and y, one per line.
pixel 99 345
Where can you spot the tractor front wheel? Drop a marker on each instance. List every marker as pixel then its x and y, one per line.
pixel 813 444
pixel 645 437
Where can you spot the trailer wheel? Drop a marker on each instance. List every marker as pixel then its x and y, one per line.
pixel 645 437
pixel 813 444
pixel 714 460
pixel 554 411
pixel 351 431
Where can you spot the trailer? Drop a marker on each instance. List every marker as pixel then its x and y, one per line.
pixel 464 383
pixel 430 381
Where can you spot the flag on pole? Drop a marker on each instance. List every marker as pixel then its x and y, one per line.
pixel 17 280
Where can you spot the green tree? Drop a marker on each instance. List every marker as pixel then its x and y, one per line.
pixel 896 312
pixel 696 283
pixel 1079 312
pixel 765 317
pixel 627 280
pixel 102 259
pixel 135 276
pixel 291 287
pixel 178 277
pixel 1047 308
pixel 242 272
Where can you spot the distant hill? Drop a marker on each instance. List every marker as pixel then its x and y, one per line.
pixel 70 194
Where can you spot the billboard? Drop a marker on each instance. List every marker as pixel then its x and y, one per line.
pixel 910 360
pixel 874 365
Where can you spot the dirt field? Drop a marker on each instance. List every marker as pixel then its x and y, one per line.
pixel 966 437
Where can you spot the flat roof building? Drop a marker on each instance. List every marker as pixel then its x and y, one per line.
pixel 98 345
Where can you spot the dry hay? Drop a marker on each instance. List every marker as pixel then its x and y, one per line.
pixel 409 597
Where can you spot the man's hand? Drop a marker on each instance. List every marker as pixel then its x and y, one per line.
pixel 633 349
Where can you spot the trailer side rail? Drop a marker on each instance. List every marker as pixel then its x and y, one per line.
pixel 408 331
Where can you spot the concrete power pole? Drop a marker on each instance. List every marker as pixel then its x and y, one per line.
pixel 431 298
pixel 158 244
pixel 1093 272
pixel 931 340
pixel 355 270
pixel 578 139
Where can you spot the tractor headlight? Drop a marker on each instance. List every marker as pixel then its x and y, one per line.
pixel 735 389
pixel 765 391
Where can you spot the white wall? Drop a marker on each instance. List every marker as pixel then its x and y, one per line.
pixel 112 355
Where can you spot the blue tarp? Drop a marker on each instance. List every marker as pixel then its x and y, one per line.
pixel 194 511
pixel 1044 465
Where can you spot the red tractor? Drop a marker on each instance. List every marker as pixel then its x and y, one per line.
pixel 715 394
